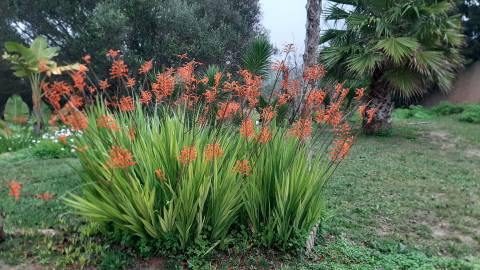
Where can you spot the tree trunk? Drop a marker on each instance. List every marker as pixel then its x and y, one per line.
pixel 380 99
pixel 312 37
pixel 37 104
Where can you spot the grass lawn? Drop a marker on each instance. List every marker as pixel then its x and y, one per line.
pixel 409 200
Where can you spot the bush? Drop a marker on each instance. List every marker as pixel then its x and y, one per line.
pixel 445 108
pixel 414 112
pixel 14 138
pixel 177 159
pixel 48 149
pixel 471 114
pixel 163 199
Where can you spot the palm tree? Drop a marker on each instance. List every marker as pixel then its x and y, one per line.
pixel 403 48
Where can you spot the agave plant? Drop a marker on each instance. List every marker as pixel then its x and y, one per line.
pixel 403 47
pixel 32 63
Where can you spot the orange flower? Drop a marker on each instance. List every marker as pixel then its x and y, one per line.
pixel 213 151
pixel 103 84
pixel 288 48
pixel 53 120
pixel 120 158
pixel 119 69
pixel 320 116
pixel 146 67
pixel 264 136
pixel 302 129
pixel 227 109
pixel 283 99
pixel 268 114
pixel 63 139
pixel 76 120
pixel 87 58
pixel 106 121
pixel 242 167
pixel 145 97
pixel 15 189
pixel 316 97
pixel 314 73
pixel 160 174
pixel 131 133
pixel 247 128
pixel 113 53
pixel 78 79
pixel 182 56
pixel 361 110
pixel 359 93
pixel 210 96
pixel 75 102
pixel 131 82
pixel 187 155
pixel 92 89
pixel 126 104
pixel 164 86
pixel 341 149
pixel 371 114
pixel 44 196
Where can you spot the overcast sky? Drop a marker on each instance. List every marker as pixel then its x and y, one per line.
pixel 285 20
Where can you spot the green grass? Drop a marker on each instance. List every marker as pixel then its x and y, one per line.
pixel 409 200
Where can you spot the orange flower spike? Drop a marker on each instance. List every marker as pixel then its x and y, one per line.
pixel 227 109
pixel 359 93
pixel 131 133
pixel 247 128
pixel 341 149
pixel 120 158
pixel 268 114
pixel 217 79
pixel 371 113
pixel 146 67
pixel 92 89
pixel 316 97
pixel 15 189
pixel 182 56
pixel 314 73
pixel 76 120
pixel 302 129
pixel 264 136
pixel 288 48
pixel 45 196
pixel 78 79
pixel 242 167
pixel 87 58
pixel 113 53
pixel 108 122
pixel 119 69
pixel 145 97
pixel 126 104
pixel 320 116
pixel 63 139
pixel 283 99
pixel 210 96
pixel 187 155
pixel 361 110
pixel 103 84
pixel 160 175
pixel 131 82
pixel 213 151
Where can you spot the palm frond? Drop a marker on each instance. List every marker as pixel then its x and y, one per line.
pixel 397 48
pixel 257 57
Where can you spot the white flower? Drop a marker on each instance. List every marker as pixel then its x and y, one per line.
pixel 72 150
pixel 63 149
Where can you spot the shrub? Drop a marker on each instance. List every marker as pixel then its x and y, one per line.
pixel 13 138
pixel 179 159
pixel 446 108
pixel 48 149
pixel 414 112
pixel 471 114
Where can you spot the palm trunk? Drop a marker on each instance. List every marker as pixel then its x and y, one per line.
pixel 312 38
pixel 380 99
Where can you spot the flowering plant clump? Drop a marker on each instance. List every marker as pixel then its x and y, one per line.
pixel 171 155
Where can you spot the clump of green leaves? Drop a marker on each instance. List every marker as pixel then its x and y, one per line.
pixel 48 149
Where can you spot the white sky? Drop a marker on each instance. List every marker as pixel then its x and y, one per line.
pixel 285 20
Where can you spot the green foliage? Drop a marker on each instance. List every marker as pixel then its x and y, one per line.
pixel 13 138
pixel 411 46
pixel 414 112
pixel 446 108
pixel 211 31
pixel 198 203
pixel 47 149
pixel 471 25
pixel 471 114
pixel 257 56
pixel 466 112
